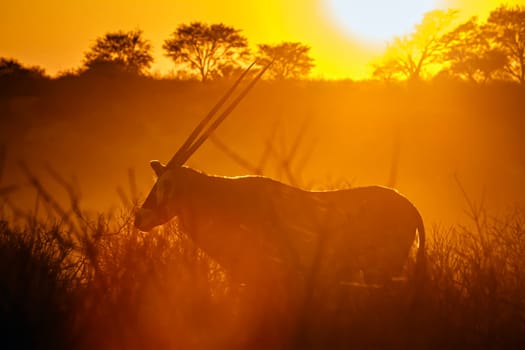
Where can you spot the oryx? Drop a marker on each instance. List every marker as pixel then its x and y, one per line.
pixel 253 222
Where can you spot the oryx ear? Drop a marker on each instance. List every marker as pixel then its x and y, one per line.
pixel 157 167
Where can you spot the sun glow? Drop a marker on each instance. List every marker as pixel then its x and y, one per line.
pixel 376 21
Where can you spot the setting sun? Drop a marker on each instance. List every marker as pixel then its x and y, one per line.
pixel 379 20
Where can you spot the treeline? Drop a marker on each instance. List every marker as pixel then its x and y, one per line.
pixel 199 51
pixel 438 47
pixel 473 50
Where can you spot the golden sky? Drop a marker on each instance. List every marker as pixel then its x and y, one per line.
pixel 56 33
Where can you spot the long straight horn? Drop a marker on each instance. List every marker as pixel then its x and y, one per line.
pixel 195 146
pixel 177 158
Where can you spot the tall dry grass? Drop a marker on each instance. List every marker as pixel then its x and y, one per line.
pixel 71 280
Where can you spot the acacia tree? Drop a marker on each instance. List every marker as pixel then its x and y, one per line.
pixel 471 54
pixel 127 51
pixel 18 79
pixel 208 49
pixel 291 60
pixel 12 69
pixel 411 55
pixel 506 25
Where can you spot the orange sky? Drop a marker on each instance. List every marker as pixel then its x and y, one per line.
pixel 55 33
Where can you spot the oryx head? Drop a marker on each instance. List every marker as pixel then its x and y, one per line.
pixel 161 203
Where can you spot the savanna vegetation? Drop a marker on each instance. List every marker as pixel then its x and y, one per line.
pixel 442 121
pixel 75 281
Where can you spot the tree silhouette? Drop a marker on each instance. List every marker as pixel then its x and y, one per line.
pixel 208 49
pixel 125 51
pixel 411 55
pixel 13 69
pixel 17 79
pixel 290 60
pixel 471 53
pixel 506 25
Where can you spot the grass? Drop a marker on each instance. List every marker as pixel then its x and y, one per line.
pixel 82 283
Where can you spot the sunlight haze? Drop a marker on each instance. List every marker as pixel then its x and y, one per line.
pixel 379 20
pixel 279 174
pixel 56 34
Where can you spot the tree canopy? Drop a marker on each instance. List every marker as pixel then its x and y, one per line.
pixel 126 51
pixel 470 54
pixel 210 50
pixel 290 59
pixel 411 55
pixel 506 26
pixel 12 69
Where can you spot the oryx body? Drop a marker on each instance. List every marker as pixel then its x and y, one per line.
pixel 247 222
pixel 250 224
